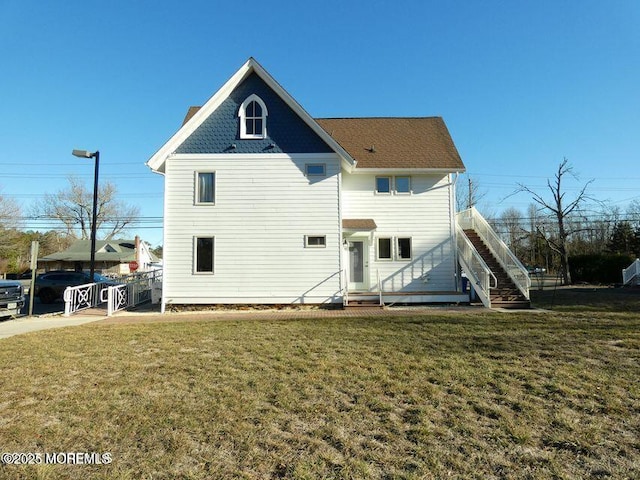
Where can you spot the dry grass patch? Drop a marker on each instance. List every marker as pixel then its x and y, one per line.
pixel 443 395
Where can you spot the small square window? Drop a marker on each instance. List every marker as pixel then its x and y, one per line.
pixel 204 254
pixel 315 169
pixel 315 241
pixel 205 187
pixel 404 248
pixel 383 184
pixel 403 184
pixel 384 249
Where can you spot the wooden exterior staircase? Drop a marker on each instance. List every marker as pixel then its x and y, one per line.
pixel 505 294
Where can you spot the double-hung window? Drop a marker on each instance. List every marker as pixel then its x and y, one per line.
pixel 203 254
pixel 397 185
pixel 383 184
pixel 404 248
pixel 384 249
pixel 205 188
pixel 403 184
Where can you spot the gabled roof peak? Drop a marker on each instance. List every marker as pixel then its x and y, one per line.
pixel 197 116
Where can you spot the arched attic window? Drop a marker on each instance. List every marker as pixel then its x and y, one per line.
pixel 253 118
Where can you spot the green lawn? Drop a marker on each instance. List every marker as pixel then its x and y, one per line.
pixel 443 395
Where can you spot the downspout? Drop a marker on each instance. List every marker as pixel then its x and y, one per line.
pixel 452 225
pixel 164 235
pixel 340 233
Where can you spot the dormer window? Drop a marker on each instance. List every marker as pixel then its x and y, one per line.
pixel 253 118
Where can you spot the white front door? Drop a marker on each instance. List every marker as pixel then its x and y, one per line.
pixel 358 265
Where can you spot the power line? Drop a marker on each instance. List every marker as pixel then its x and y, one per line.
pixel 77 175
pixel 545 177
pixel 70 164
pixel 37 195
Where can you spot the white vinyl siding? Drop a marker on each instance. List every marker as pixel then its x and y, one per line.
pixel 265 206
pixel 424 216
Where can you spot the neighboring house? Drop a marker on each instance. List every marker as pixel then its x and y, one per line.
pixel 112 256
pixel 265 204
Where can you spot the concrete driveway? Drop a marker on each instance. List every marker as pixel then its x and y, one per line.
pixel 17 326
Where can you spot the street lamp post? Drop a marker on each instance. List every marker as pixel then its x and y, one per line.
pixel 96 155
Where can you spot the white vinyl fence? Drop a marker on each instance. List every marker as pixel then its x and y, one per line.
pixel 631 274
pixel 82 297
pixel 127 292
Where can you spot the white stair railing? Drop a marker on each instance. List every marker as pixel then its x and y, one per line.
pixel 345 287
pixel 631 274
pixel 471 219
pixel 380 302
pixel 477 271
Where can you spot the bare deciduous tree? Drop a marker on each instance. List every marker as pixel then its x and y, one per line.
pixel 561 208
pixel 10 220
pixel 10 213
pixel 73 207
pixel 633 213
pixel 511 219
pixel 468 194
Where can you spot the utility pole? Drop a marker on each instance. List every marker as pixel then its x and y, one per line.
pixel 35 246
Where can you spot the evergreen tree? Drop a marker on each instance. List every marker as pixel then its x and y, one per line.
pixel 624 239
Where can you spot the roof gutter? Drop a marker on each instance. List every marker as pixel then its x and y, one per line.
pixel 426 171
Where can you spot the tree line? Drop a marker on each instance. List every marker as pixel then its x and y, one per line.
pixel 71 208
pixel 558 228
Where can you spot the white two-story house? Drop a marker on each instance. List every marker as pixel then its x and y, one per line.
pixel 265 204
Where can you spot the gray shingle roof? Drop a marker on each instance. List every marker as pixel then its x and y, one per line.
pixel 106 251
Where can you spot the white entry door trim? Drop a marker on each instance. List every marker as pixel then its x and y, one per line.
pixel 358 259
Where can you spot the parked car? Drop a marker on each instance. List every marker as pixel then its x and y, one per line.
pixel 11 298
pixel 536 270
pixel 50 286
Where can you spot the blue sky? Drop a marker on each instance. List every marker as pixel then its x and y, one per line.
pixel 520 84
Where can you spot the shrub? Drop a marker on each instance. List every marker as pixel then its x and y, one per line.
pixel 598 267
